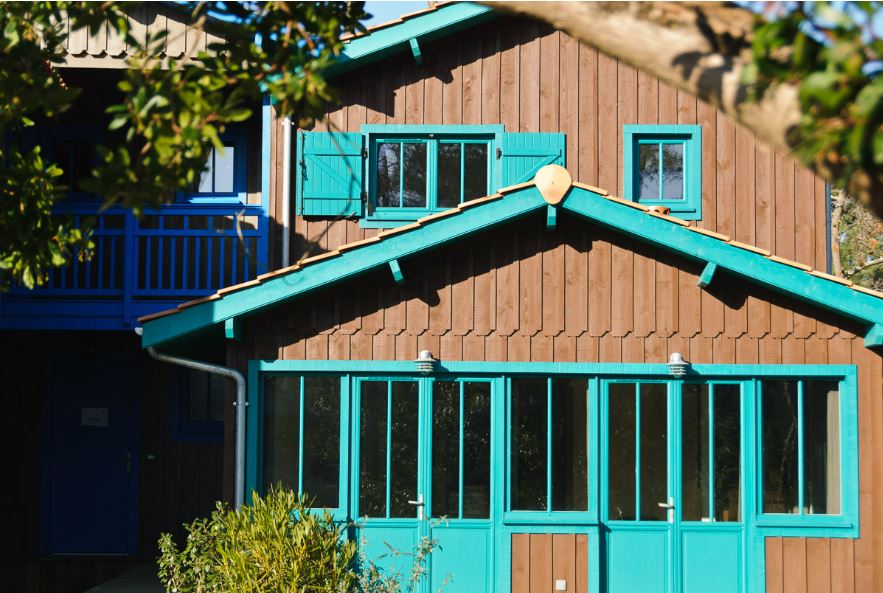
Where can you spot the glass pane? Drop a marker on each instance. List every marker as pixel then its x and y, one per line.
pixel 414 195
pixel 529 445
pixel 654 451
pixel 621 466
pixel 476 450
pixel 448 174
pixel 445 448
pixel 569 463
pixel 821 447
pixel 281 409
pixel 673 171
pixel 372 449
pixel 388 174
pixel 779 446
pixel 727 452
pixel 403 449
pixel 321 473
pixel 694 460
pixel 648 172
pixel 475 172
pixel 224 170
pixel 207 176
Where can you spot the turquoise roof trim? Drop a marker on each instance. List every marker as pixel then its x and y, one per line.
pixel 393 39
pixel 446 227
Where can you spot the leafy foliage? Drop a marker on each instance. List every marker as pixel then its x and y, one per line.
pixel 275 544
pixel 860 235
pixel 171 114
pixel 278 544
pixel 832 52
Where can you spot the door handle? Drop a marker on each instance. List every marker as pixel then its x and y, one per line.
pixel 419 504
pixel 670 507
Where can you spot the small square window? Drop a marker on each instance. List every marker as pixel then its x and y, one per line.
pixel 662 167
pixel 198 408
pixel 224 177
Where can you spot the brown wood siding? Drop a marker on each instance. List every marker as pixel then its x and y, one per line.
pixel 539 559
pixel 583 293
pixel 531 78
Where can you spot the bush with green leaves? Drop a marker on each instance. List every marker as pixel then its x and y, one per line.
pixel 278 544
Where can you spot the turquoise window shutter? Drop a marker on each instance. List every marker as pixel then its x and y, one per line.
pixel 523 154
pixel 329 173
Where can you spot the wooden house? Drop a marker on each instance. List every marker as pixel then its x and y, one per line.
pixel 574 325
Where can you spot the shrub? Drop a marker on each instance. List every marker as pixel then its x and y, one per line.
pixel 275 544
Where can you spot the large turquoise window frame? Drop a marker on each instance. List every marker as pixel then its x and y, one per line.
pixel 690 136
pixel 431 135
pixel 757 526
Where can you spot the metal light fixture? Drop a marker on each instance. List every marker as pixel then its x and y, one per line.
pixel 677 366
pixel 425 362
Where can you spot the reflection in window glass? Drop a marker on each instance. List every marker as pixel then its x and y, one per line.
pixel 403 449
pixel 694 452
pixel 281 405
pixel 372 448
pixel 218 175
pixel 727 452
pixel 779 446
pixel 445 448
pixel 569 456
pixel 321 455
pixel 414 185
pixel 475 171
pixel 529 445
pixel 388 174
pixel 821 447
pixel 648 171
pixel 476 450
pixel 449 154
pixel 654 451
pixel 621 465
pixel 672 171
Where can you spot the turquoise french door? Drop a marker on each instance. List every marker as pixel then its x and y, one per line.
pixel 422 472
pixel 672 487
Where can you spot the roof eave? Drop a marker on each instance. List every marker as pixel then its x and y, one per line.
pixel 395 39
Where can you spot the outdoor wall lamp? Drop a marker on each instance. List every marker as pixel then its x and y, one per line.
pixel 677 366
pixel 425 362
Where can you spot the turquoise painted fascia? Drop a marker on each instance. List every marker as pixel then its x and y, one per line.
pixel 330 271
pixel 653 230
pixel 752 266
pixel 690 208
pixel 394 39
pixel 393 368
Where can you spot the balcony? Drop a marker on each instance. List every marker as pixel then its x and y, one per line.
pixel 170 255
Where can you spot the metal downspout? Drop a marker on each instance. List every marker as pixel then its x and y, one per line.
pixel 286 191
pixel 240 404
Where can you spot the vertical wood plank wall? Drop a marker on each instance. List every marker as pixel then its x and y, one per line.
pixel 522 293
pixel 532 78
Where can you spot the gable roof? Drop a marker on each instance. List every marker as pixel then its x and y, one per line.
pixel 407 32
pixel 718 252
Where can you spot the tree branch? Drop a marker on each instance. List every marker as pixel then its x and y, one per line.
pixel 697 47
pixel 863 267
pixel 838 197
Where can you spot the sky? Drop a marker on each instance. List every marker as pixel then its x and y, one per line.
pixel 383 11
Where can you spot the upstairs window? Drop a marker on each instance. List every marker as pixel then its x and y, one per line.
pixel 388 175
pixel 662 166
pixel 224 177
pixel 422 175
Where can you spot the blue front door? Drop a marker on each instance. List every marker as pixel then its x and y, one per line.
pixel 672 489
pixel 89 486
pixel 423 467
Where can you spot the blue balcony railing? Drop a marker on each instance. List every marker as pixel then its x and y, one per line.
pixel 169 255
